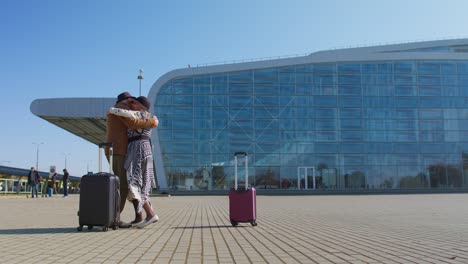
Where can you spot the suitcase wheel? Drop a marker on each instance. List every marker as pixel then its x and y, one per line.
pixel 90 227
pixel 80 228
pixel 104 229
pixel 114 227
pixel 234 223
pixel 253 223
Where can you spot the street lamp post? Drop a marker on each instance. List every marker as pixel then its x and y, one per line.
pixel 140 77
pixel 37 154
pixel 66 155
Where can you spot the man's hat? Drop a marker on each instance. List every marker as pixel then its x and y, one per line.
pixel 124 95
pixel 144 102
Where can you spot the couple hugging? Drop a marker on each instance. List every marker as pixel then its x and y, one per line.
pixel 129 125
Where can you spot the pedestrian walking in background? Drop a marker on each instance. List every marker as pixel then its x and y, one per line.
pixel 54 183
pixel 65 182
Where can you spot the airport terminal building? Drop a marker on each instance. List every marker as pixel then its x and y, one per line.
pixel 382 117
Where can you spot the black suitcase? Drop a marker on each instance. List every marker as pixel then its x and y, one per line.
pixel 100 198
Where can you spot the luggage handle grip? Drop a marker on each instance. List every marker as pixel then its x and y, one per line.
pixel 246 169
pixel 111 155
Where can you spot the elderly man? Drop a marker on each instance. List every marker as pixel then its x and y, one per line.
pixel 117 127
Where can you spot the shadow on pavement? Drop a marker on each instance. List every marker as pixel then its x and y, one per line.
pixel 33 231
pixel 215 226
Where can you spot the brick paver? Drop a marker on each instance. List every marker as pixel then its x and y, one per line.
pixel 430 228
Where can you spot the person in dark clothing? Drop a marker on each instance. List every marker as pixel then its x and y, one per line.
pixel 34 179
pixel 65 182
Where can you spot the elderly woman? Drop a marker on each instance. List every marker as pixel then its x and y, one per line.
pixel 139 163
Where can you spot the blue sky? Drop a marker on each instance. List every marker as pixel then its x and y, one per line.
pixel 94 48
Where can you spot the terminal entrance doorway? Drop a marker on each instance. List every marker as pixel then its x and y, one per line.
pixel 306 178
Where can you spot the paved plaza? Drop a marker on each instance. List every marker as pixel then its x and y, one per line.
pixel 426 228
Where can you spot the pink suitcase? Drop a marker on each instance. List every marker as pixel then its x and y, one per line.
pixel 242 201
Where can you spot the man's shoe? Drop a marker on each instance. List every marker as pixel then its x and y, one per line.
pixel 125 225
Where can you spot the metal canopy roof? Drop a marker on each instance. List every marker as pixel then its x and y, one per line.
pixel 90 129
pixel 83 117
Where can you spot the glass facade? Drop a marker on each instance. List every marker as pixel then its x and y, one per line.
pixel 376 125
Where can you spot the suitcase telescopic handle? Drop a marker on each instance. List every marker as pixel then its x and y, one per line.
pixel 111 155
pixel 246 169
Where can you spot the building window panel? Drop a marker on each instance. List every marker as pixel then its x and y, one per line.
pixel 448 68
pixel 304 68
pixel 406 148
pixel 266 112
pixel 435 114
pixel 429 80
pixel 267 135
pixel 240 88
pixel 349 90
pixel 324 80
pixel 287 78
pixel 405 90
pixel 245 113
pixel 266 76
pixel 183 112
pixel 351 135
pixel 404 67
pixel 326 136
pixel 331 148
pixel 240 101
pixel 404 80
pixel 305 124
pixel 350 124
pixel 287 112
pixel 304 89
pixel 328 112
pixel 182 135
pixel 462 68
pixel 325 124
pixel 385 68
pixel 325 68
pixel 429 102
pixel 183 88
pixel 349 68
pixel 287 89
pixel 430 91
pixel 304 78
pixel 240 77
pixel 429 68
pixel 183 100
pixel 350 101
pixel 261 88
pixel 407 102
pixel 182 123
pixel 406 113
pixel 202 124
pixel 349 79
pixel 202 88
pixel 266 124
pixel 350 113
pixel 384 79
pixel 287 135
pixel 369 68
pixel 219 88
